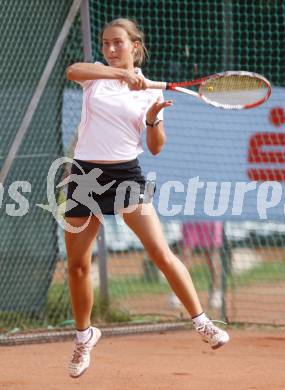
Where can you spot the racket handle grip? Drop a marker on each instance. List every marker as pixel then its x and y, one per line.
pixel 156 84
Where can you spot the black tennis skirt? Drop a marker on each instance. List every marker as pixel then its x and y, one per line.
pixel 106 188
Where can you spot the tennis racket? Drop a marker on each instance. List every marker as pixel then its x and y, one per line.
pixel 233 90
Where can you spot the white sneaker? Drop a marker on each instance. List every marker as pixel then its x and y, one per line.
pixel 213 335
pixel 81 356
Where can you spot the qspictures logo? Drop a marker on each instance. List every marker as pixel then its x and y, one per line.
pixel 219 198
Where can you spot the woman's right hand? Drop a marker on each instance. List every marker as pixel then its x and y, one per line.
pixel 135 81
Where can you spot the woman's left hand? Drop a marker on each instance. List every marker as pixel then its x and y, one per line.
pixel 156 107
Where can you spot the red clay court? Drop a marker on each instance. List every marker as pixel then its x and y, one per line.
pixel 253 360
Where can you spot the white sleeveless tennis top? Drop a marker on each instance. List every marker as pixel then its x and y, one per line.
pixel 112 120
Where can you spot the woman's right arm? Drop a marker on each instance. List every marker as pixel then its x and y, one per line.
pixel 82 71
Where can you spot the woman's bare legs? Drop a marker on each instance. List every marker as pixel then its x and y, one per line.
pixel 79 253
pixel 145 224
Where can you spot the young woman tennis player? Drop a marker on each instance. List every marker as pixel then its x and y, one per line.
pixel 117 106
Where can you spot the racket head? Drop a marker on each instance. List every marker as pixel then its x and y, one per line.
pixel 235 90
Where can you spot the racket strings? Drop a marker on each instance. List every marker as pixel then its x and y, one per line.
pixel 232 83
pixel 234 91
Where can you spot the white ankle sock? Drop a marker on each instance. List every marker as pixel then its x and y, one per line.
pixel 200 320
pixel 83 336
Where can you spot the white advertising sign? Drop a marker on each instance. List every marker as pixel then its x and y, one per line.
pixel 220 164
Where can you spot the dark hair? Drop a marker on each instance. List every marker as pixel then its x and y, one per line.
pixel 134 33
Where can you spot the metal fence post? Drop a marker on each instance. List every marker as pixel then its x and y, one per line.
pixel 86 31
pixel 102 250
pixel 102 258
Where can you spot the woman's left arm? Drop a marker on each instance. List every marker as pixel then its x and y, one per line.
pixel 155 136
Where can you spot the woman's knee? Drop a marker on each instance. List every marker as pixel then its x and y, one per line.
pixel 79 260
pixel 78 267
pixel 79 252
pixel 161 256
